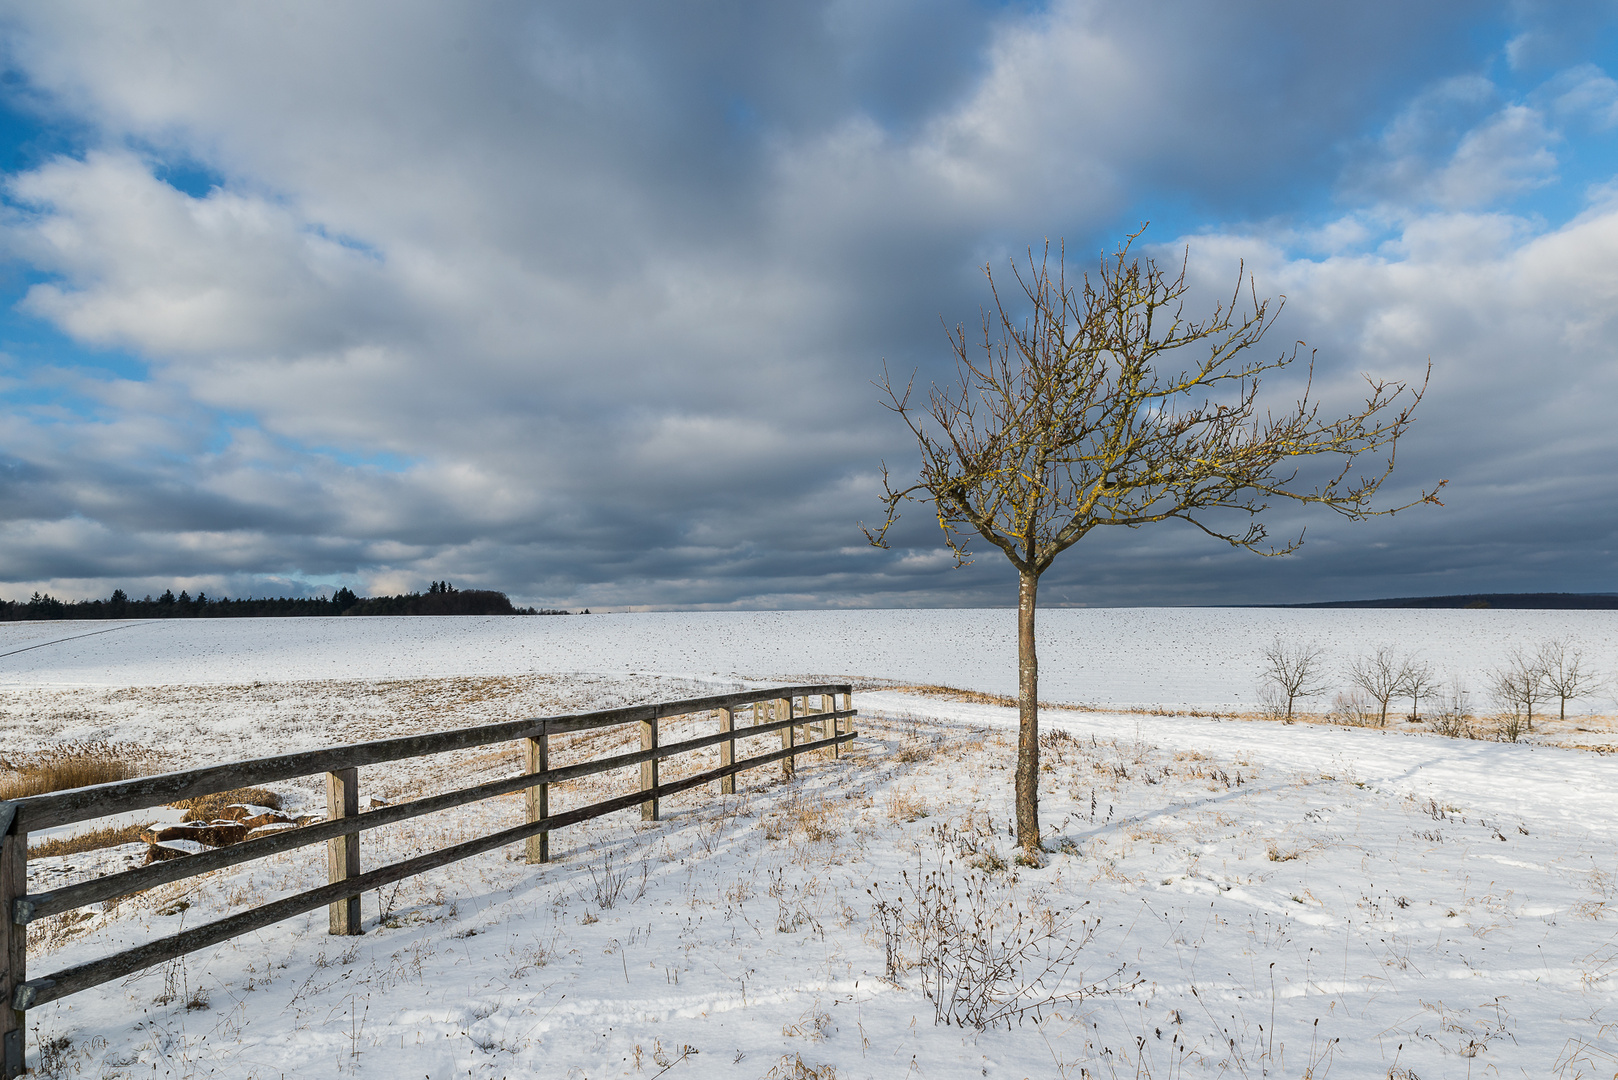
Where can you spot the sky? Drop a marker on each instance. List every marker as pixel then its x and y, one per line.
pixel 585 302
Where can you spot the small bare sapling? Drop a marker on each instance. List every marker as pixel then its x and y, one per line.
pixel 1566 677
pixel 1381 676
pixel 1519 684
pixel 1417 681
pixel 1293 670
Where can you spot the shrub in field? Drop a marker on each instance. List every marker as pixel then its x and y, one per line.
pixel 983 960
pixel 609 886
pixel 1453 717
pixel 1508 728
pixel 1452 726
pixel 1354 709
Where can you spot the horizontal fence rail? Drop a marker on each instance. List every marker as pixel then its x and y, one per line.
pixel 787 710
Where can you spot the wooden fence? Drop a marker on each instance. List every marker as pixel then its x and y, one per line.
pixel 804 725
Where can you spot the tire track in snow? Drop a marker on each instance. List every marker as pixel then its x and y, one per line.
pixel 75 637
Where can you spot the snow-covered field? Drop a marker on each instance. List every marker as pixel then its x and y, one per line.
pixel 1235 897
pixel 1202 658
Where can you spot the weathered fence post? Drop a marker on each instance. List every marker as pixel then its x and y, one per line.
pixel 783 707
pixel 537 799
pixel 13 940
pixel 343 852
pixel 763 712
pixel 648 769
pixel 727 751
pixel 836 727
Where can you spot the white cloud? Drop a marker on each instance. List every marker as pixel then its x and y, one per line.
pixel 1507 155
pixel 1457 147
pixel 1584 93
pixel 141 264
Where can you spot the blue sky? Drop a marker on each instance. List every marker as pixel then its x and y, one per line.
pixel 584 302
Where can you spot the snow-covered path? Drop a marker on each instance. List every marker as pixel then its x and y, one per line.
pixel 1542 785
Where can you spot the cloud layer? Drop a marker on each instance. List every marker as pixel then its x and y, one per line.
pixel 585 304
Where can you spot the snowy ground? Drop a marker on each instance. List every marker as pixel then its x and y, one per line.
pixel 1202 658
pixel 1235 897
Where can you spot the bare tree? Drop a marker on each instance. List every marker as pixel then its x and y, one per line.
pixel 1382 676
pixel 1519 684
pixel 1081 416
pixel 1566 677
pixel 1417 681
pixel 1294 670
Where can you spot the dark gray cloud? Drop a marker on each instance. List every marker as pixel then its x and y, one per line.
pixel 583 302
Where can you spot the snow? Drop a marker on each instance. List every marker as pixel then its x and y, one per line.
pixel 1252 898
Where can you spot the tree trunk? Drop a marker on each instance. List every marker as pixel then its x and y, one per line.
pixel 1027 715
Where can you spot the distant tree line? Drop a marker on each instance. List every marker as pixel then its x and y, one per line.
pixel 1517 601
pixel 441 598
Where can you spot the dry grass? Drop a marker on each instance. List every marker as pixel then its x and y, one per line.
pixel 814 1025
pixel 812 818
pixel 69 765
pixel 793 1067
pixel 80 764
pixel 915 749
pixel 1277 853
pixel 954 693
pixel 94 840
pixel 815 820
pixel 974 697
pixel 905 805
pixel 212 807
